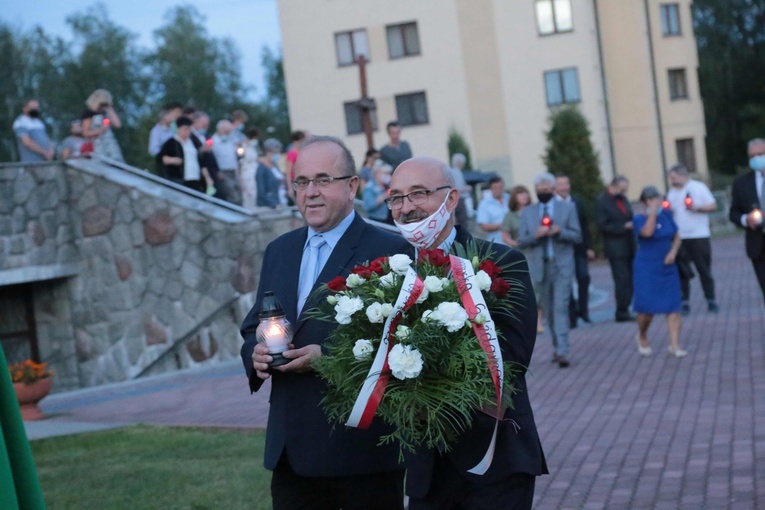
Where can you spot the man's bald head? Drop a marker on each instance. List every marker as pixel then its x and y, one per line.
pixel 434 172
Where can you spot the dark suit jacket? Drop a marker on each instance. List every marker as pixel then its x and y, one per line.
pixel 268 186
pixel 517 451
pixel 297 423
pixel 580 249
pixel 743 200
pixel 618 242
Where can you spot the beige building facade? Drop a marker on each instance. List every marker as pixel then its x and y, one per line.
pixel 494 70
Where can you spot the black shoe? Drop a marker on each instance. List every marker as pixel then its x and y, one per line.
pixel 712 307
pixel 586 318
pixel 555 358
pixel 563 362
pixel 572 324
pixel 624 317
pixel 685 309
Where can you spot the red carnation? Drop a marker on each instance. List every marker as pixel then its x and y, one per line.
pixel 490 268
pixel 337 284
pixel 377 265
pixel 435 257
pixel 500 287
pixel 363 271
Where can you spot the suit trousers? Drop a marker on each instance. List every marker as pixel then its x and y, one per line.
pixel 698 251
pixel 580 307
pixel 621 270
pixel 759 270
pixel 378 491
pixel 555 294
pixel 451 491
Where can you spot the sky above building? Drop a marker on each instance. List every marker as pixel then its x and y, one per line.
pixel 252 24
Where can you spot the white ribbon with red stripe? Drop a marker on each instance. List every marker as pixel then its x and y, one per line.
pixel 475 304
pixel 373 388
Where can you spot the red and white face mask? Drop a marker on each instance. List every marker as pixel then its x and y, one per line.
pixel 423 233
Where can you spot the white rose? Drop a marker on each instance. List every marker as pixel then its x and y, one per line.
pixel 402 332
pixel 483 280
pixel 388 281
pixel 423 296
pixel 387 309
pixel 429 316
pixel 405 362
pixel 434 284
pixel 400 263
pixel 452 316
pixel 445 282
pixel 347 306
pixel 374 313
pixel 362 349
pixel 354 280
pixel 332 300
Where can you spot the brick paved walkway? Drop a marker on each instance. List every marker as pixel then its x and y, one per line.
pixel 619 430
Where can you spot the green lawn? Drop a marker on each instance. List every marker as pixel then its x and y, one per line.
pixel 146 467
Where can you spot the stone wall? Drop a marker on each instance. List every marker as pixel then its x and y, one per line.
pixel 123 266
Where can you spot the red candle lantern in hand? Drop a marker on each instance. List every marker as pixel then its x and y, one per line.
pixel 546 220
pixel 688 201
pixel 665 205
pixel 107 122
pixel 209 142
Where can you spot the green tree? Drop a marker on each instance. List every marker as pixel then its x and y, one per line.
pixel 456 143
pixel 731 44
pixel 570 152
pixel 272 113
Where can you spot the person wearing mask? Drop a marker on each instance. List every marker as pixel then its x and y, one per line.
pixel 614 216
pixel 270 181
pixel 376 191
pixel 656 277
pixel 583 253
pixel 691 202
pixel 224 148
pixel 238 120
pixel 548 233
pixel 180 159
pixel 72 144
pixel 248 165
pixel 421 190
pixel 200 125
pixel 164 129
pixel 98 121
pixel 492 210
pixel 31 138
pixel 747 206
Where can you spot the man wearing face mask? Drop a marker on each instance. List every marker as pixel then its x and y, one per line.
pixel 547 234
pixel 614 215
pixel 423 199
pixel 32 140
pixel 747 206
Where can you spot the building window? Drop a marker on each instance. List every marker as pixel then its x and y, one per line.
pixel 678 85
pixel 353 123
pixel 403 40
pixel 349 45
pixel 685 153
pixel 412 109
pixel 670 19
pixel 562 86
pixel 554 16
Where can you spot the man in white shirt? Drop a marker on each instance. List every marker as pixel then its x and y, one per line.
pixel 224 147
pixel 492 210
pixel 691 202
pixel 31 137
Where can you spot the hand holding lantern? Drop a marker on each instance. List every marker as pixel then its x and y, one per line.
pixel 688 201
pixel 274 329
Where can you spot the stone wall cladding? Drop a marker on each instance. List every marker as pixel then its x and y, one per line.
pixel 151 268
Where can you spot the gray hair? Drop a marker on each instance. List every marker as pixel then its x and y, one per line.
pixel 753 142
pixel 272 145
pixel 544 177
pixel 618 179
pixel 222 123
pixel 348 167
pixel 458 159
pixel 679 169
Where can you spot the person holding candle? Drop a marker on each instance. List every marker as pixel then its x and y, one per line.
pixel 548 232
pixel 98 121
pixel 747 205
pixel 656 278
pixel 314 464
pixel 691 202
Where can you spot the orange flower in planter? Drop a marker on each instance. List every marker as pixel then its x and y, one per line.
pixel 29 372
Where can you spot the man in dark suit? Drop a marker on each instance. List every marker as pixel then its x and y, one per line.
pixel 747 206
pixel 315 465
pixel 614 215
pixel 583 253
pixel 419 188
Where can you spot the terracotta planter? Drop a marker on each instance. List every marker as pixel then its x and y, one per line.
pixel 29 395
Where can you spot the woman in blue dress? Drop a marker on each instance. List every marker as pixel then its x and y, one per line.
pixel 656 278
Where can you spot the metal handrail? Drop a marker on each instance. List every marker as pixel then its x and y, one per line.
pixel 185 338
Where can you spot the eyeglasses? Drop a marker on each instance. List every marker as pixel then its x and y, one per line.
pixel 418 197
pixel 301 183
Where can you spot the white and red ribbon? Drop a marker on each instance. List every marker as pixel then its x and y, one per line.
pixel 370 396
pixel 486 333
